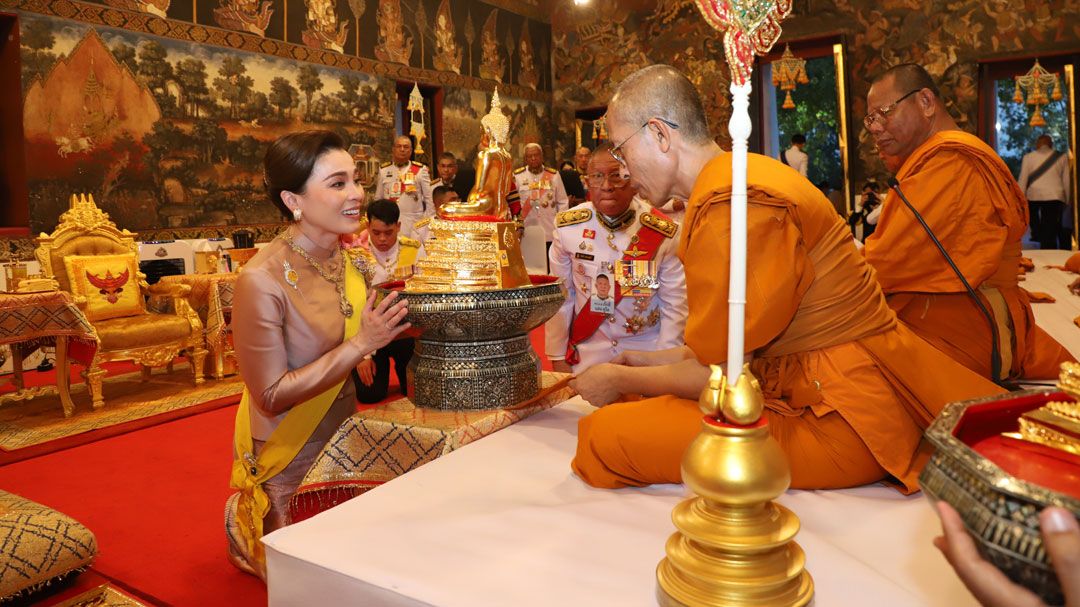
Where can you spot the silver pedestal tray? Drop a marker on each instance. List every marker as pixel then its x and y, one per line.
pixel 474 350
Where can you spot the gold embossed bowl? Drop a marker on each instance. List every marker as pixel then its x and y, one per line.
pixel 474 350
pixel 999 485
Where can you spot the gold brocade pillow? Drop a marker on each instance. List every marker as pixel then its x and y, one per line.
pixel 110 284
pixel 38 545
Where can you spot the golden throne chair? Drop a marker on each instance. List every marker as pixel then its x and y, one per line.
pixel 89 257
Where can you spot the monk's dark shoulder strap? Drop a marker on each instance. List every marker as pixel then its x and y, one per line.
pixel 1044 167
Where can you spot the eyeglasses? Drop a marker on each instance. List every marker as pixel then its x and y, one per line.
pixel 616 152
pixel 880 115
pixel 616 180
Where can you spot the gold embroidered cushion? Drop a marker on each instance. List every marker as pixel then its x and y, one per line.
pixel 110 284
pixel 38 544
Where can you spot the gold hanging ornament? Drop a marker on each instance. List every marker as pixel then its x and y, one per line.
pixel 1035 82
pixel 599 129
pixel 416 126
pixel 787 72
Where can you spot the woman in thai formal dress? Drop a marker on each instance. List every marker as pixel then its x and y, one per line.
pixel 302 322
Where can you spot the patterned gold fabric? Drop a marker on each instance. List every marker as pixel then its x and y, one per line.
pixel 38 544
pixel 382 443
pixel 210 296
pixel 142 330
pixel 27 316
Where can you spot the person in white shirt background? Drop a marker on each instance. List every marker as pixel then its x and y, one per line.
pixel 1044 178
pixel 794 156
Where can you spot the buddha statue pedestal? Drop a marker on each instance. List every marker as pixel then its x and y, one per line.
pixel 474 350
pixel 467 255
pixel 472 298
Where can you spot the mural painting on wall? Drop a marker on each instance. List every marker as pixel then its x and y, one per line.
pixel 447 52
pixel 596 46
pixel 492 63
pixel 395 43
pixel 169 134
pixel 249 16
pixel 323 28
pixel 527 75
pixel 154 7
pixel 462 109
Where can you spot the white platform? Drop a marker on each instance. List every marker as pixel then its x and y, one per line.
pixel 504 522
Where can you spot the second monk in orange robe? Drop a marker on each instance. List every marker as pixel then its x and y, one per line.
pixel 848 388
pixel 970 200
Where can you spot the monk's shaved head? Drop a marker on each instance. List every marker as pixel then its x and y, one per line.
pixel 660 91
pixel 909 77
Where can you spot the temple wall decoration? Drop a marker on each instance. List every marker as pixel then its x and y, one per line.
pixel 596 46
pixel 165 120
pixel 530 122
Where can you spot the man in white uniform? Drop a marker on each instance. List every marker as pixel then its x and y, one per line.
pixel 406 183
pixel 391 257
pixel 542 192
pixel 595 245
pixel 1044 178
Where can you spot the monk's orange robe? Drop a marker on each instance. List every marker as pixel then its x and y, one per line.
pixel 972 203
pixel 848 388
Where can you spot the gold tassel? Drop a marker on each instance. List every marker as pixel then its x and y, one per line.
pixel 788 103
pixel 1037 118
pixel 1018 96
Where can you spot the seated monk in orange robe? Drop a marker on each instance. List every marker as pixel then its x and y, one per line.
pixel 848 389
pixel 970 200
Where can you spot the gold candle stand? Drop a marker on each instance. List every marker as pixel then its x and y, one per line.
pixel 733 545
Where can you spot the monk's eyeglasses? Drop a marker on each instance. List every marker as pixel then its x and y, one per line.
pixel 616 152
pixel 616 180
pixel 880 115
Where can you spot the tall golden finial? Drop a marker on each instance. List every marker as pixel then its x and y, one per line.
pixel 733 545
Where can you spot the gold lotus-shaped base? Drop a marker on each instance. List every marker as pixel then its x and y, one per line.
pixel 470 256
pixel 733 545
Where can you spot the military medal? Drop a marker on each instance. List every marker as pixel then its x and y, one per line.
pixel 291 275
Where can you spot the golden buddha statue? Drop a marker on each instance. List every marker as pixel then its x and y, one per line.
pixel 494 171
pixel 474 244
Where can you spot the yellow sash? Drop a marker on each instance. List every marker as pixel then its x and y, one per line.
pixel 250 472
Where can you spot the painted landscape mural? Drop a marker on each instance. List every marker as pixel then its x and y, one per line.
pixel 170 134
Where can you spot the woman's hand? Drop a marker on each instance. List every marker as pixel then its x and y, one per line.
pixel 381 323
pixel 1061 536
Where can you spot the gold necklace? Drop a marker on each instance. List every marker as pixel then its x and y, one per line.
pixel 338 281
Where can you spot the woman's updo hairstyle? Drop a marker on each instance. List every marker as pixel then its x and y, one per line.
pixel 290 159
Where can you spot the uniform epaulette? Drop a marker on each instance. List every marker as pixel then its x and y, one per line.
pixel 569 218
pixel 666 227
pixel 408 242
pixel 423 222
pixel 419 164
pixel 519 170
pixel 550 170
pixel 386 164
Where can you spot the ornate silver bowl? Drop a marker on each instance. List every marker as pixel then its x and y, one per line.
pixel 474 350
pixel 1000 510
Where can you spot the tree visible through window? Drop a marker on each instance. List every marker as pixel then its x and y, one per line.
pixel 1015 137
pixel 816 116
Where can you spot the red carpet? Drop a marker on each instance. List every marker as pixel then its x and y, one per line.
pixel 40 378
pixel 154 498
